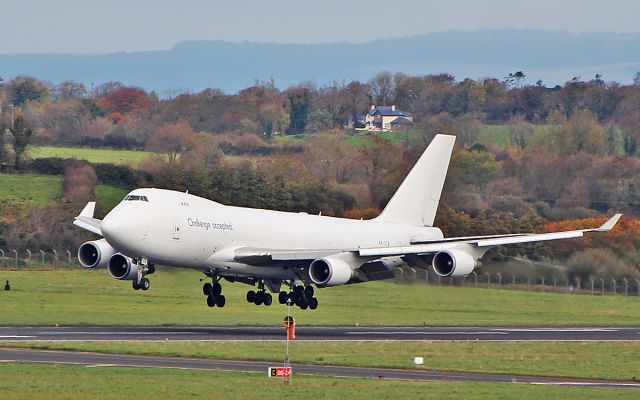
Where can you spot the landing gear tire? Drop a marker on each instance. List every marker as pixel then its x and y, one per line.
pixel 206 289
pixel 308 292
pixel 216 289
pixel 211 301
pixel 268 299
pixel 282 297
pixel 251 296
pixel 145 284
pixel 221 301
pixel 135 285
pixel 313 303
pixel 259 298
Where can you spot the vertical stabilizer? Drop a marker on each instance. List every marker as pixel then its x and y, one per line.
pixel 416 200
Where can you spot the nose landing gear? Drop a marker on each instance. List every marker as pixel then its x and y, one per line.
pixel 142 283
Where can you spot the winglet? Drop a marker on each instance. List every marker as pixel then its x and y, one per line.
pixel 607 226
pixel 88 210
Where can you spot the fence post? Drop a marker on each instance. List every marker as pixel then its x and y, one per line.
pixel 513 281
pixel 543 284
pixel 488 279
pixel 638 286
pixel 528 284
pixel 42 254
pixel 626 286
pixel 16 253
pixel 499 280
pixel 475 278
pixel 592 285
pixel 55 258
pixel 602 283
pixel 415 274
pixel 555 283
pixel 2 251
pixel 614 286
pixel 28 258
pixel 69 254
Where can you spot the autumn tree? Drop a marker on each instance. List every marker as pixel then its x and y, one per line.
pixel 582 132
pixel 124 101
pixel 173 140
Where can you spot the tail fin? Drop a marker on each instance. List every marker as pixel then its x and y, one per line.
pixel 416 200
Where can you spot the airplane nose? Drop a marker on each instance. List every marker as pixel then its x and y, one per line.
pixel 111 225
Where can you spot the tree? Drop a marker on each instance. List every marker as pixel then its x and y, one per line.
pixel 68 90
pixel 515 79
pixel 173 140
pixel 24 89
pixel 22 137
pixel 124 101
pixel 383 88
pixel 299 104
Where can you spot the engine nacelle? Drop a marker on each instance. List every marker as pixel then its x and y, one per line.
pixel 330 271
pixel 454 263
pixel 122 267
pixel 95 254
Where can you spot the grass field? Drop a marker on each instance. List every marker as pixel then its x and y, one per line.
pixel 28 190
pixel 92 297
pixel 28 381
pixel 597 360
pixel 90 154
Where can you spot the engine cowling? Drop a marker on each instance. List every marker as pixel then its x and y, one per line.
pixel 122 267
pixel 95 254
pixel 330 271
pixel 454 263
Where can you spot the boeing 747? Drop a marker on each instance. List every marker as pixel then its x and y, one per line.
pixel 273 250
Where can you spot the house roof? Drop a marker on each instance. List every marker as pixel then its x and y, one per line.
pixel 401 121
pixel 387 111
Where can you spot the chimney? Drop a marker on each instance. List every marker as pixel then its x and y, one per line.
pixel 393 108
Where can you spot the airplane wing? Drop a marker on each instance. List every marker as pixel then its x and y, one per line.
pixel 86 221
pixel 484 242
pixel 265 257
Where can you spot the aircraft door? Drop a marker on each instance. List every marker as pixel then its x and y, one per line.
pixel 176 229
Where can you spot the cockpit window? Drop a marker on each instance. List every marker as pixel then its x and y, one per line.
pixel 135 197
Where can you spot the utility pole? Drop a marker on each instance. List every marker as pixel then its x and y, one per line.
pixel 12 119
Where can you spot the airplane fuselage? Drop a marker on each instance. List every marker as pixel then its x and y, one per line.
pixel 183 230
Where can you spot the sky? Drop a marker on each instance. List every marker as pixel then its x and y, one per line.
pixel 89 26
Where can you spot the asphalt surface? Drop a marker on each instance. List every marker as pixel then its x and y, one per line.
pixel 118 333
pixel 98 360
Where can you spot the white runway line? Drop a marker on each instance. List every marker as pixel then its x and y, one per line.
pixel 15 337
pixel 423 333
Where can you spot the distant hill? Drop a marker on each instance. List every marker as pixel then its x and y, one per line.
pixel 552 56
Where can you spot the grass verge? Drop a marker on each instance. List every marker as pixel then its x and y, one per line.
pixel 92 297
pixel 28 381
pixel 597 360
pixel 111 156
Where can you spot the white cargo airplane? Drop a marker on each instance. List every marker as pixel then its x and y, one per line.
pixel 271 248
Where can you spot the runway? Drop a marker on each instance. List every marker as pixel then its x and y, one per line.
pixel 99 360
pixel 306 333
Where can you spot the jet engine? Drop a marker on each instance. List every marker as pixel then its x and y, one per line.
pixel 95 253
pixel 330 271
pixel 122 267
pixel 454 263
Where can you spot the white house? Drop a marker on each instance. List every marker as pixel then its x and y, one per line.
pixel 387 118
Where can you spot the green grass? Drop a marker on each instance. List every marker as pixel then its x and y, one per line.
pixel 597 360
pixel 92 155
pixel 108 196
pixel 28 381
pixel 500 135
pixel 92 297
pixel 30 189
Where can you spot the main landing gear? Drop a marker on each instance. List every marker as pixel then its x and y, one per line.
pixel 213 291
pixel 260 297
pixel 302 296
pixel 142 283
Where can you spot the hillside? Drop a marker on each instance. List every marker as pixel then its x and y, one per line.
pixel 552 56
